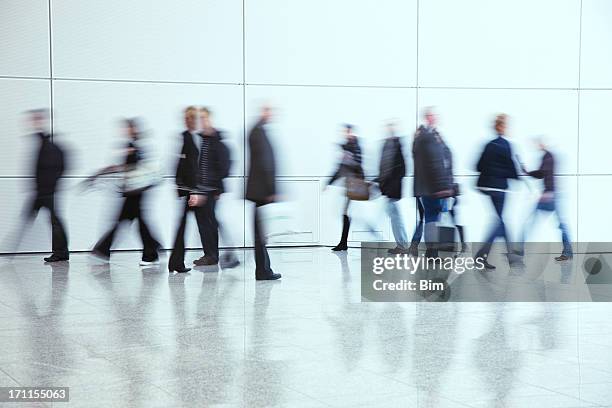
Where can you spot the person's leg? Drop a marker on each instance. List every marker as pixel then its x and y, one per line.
pixel 177 257
pixel 262 259
pixel 432 208
pixel 150 245
pixel 397 225
pixel 418 231
pixel 103 246
pixel 567 244
pixel 346 225
pixel 59 241
pixel 211 229
pixel 499 229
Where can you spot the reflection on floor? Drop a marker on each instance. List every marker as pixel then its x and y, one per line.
pixel 121 336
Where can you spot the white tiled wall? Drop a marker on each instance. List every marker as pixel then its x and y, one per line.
pixel 321 64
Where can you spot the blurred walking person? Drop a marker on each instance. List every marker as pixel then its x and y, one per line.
pixel 261 189
pixel 136 181
pixel 496 165
pixel 49 167
pixel 349 168
pixel 392 170
pixel 548 202
pixel 186 181
pixel 432 176
pixel 213 167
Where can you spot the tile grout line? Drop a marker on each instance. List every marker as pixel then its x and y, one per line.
pixel 51 113
pixel 244 154
pixel 578 191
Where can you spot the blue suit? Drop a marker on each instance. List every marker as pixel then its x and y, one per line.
pixel 496 167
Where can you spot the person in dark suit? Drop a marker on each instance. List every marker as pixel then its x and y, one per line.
pixel 496 165
pixel 186 180
pixel 432 176
pixel 349 167
pixel 50 165
pixel 548 202
pixel 261 189
pixel 203 164
pixel 213 168
pixel 134 196
pixel 392 170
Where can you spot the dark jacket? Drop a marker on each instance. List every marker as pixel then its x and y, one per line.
pixel 350 165
pixel 496 165
pixel 187 167
pixel 50 165
pixel 189 171
pixel 392 168
pixel 546 171
pixel 261 182
pixel 432 169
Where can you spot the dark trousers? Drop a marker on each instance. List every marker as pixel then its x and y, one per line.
pixel 418 231
pixel 498 199
pixel 59 240
pixel 131 210
pixel 208 228
pixel 262 259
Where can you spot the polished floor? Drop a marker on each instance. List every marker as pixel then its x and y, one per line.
pixel 122 336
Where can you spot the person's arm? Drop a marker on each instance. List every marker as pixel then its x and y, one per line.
pixel 435 156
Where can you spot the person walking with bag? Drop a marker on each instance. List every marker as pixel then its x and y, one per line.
pixel 350 169
pixel 432 176
pixel 136 182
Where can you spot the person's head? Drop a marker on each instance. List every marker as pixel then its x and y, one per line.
pixel 430 117
pixel 191 118
pixel 348 131
pixel 38 120
pixel 131 128
pixel 391 128
pixel 500 124
pixel 265 114
pixel 205 118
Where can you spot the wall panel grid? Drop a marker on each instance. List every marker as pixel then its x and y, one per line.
pixel 320 64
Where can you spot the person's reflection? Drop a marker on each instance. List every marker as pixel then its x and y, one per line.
pixel 259 363
pixel 496 357
pixel 349 322
pixel 133 327
pixel 42 344
pixel 435 330
pixel 392 334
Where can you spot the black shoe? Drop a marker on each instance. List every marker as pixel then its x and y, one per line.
pixel 205 261
pixel 55 258
pixel 273 276
pixel 413 250
pixel 397 250
pixel 179 270
pixel 563 257
pixel 340 247
pixel 487 265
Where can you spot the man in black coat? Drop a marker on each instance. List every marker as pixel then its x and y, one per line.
pixel 432 176
pixel 496 166
pixel 261 189
pixel 392 170
pixel 203 164
pixel 50 165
